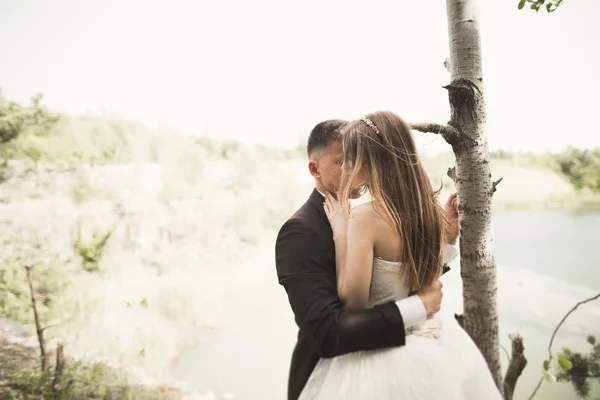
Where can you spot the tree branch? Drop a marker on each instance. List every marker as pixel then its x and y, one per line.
pixel 36 316
pixel 452 173
pixel 585 376
pixel 495 184
pixel 537 387
pixel 438 129
pixel 517 364
pixel 60 366
pixel 49 326
pixel 42 296
pixel 505 352
pixel 448 133
pixel 596 297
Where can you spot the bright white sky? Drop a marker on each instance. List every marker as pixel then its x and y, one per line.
pixel 266 71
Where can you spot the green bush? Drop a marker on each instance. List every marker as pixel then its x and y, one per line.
pixel 16 119
pixel 49 277
pixel 80 381
pixel 581 167
pixel 91 252
pixel 583 368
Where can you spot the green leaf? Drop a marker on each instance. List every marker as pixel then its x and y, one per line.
pixel 565 363
pixel 144 302
pixel 142 353
pixel 546 365
pixel 127 304
pixel 591 340
pixel 522 4
pixel 548 377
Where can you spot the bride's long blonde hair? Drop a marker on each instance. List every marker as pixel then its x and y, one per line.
pixel 379 149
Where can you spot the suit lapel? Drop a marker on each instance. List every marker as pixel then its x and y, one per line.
pixel 317 199
pixel 321 224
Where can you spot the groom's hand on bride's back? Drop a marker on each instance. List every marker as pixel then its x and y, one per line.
pixel 432 297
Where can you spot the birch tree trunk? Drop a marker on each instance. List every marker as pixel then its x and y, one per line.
pixel 473 181
pixel 466 133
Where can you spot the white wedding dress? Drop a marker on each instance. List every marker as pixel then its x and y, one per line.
pixel 448 368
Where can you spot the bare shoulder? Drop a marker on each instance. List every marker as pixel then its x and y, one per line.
pixel 369 213
pixel 386 241
pixel 364 215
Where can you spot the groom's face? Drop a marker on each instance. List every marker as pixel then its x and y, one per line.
pixel 329 167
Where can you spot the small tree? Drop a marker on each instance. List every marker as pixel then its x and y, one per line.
pixel 570 366
pixel 16 119
pixel 580 369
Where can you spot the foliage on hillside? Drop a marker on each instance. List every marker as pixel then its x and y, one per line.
pixel 579 167
pixel 33 134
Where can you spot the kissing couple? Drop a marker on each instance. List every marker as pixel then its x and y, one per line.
pixel 363 282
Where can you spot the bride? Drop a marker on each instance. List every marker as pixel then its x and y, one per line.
pixel 386 249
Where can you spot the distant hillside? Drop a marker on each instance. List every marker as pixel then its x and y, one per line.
pixel 528 183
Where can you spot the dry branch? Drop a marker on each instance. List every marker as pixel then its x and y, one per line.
pixel 517 364
pixel 452 173
pixel 447 132
pixel 550 357
pixel 36 315
pixel 49 326
pixel 495 184
pixel 505 352
pixel 60 366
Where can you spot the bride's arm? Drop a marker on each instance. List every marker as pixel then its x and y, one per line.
pixel 354 258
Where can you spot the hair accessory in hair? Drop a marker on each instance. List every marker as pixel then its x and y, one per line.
pixel 371 124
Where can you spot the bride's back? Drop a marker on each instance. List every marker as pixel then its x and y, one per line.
pixel 387 281
pixel 387 243
pixel 380 153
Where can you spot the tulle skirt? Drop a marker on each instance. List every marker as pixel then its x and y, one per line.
pixel 448 368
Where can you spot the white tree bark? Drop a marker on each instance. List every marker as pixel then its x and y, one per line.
pixel 473 181
pixel 466 133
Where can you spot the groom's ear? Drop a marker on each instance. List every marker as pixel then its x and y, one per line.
pixel 313 168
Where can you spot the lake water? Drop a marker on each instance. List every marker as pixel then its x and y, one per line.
pixel 547 262
pixel 564 245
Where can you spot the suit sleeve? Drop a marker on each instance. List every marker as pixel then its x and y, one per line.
pixel 301 259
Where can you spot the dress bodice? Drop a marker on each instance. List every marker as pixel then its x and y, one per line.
pixel 387 282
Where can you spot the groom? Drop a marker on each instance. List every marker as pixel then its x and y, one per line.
pixel 305 259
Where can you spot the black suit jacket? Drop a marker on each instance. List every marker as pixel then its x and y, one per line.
pixel 305 259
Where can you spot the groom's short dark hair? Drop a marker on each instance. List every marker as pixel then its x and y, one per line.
pixel 323 134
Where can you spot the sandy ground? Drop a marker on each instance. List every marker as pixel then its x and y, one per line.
pixel 247 357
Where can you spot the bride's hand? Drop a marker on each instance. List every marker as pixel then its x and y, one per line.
pixel 429 328
pixel 337 216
